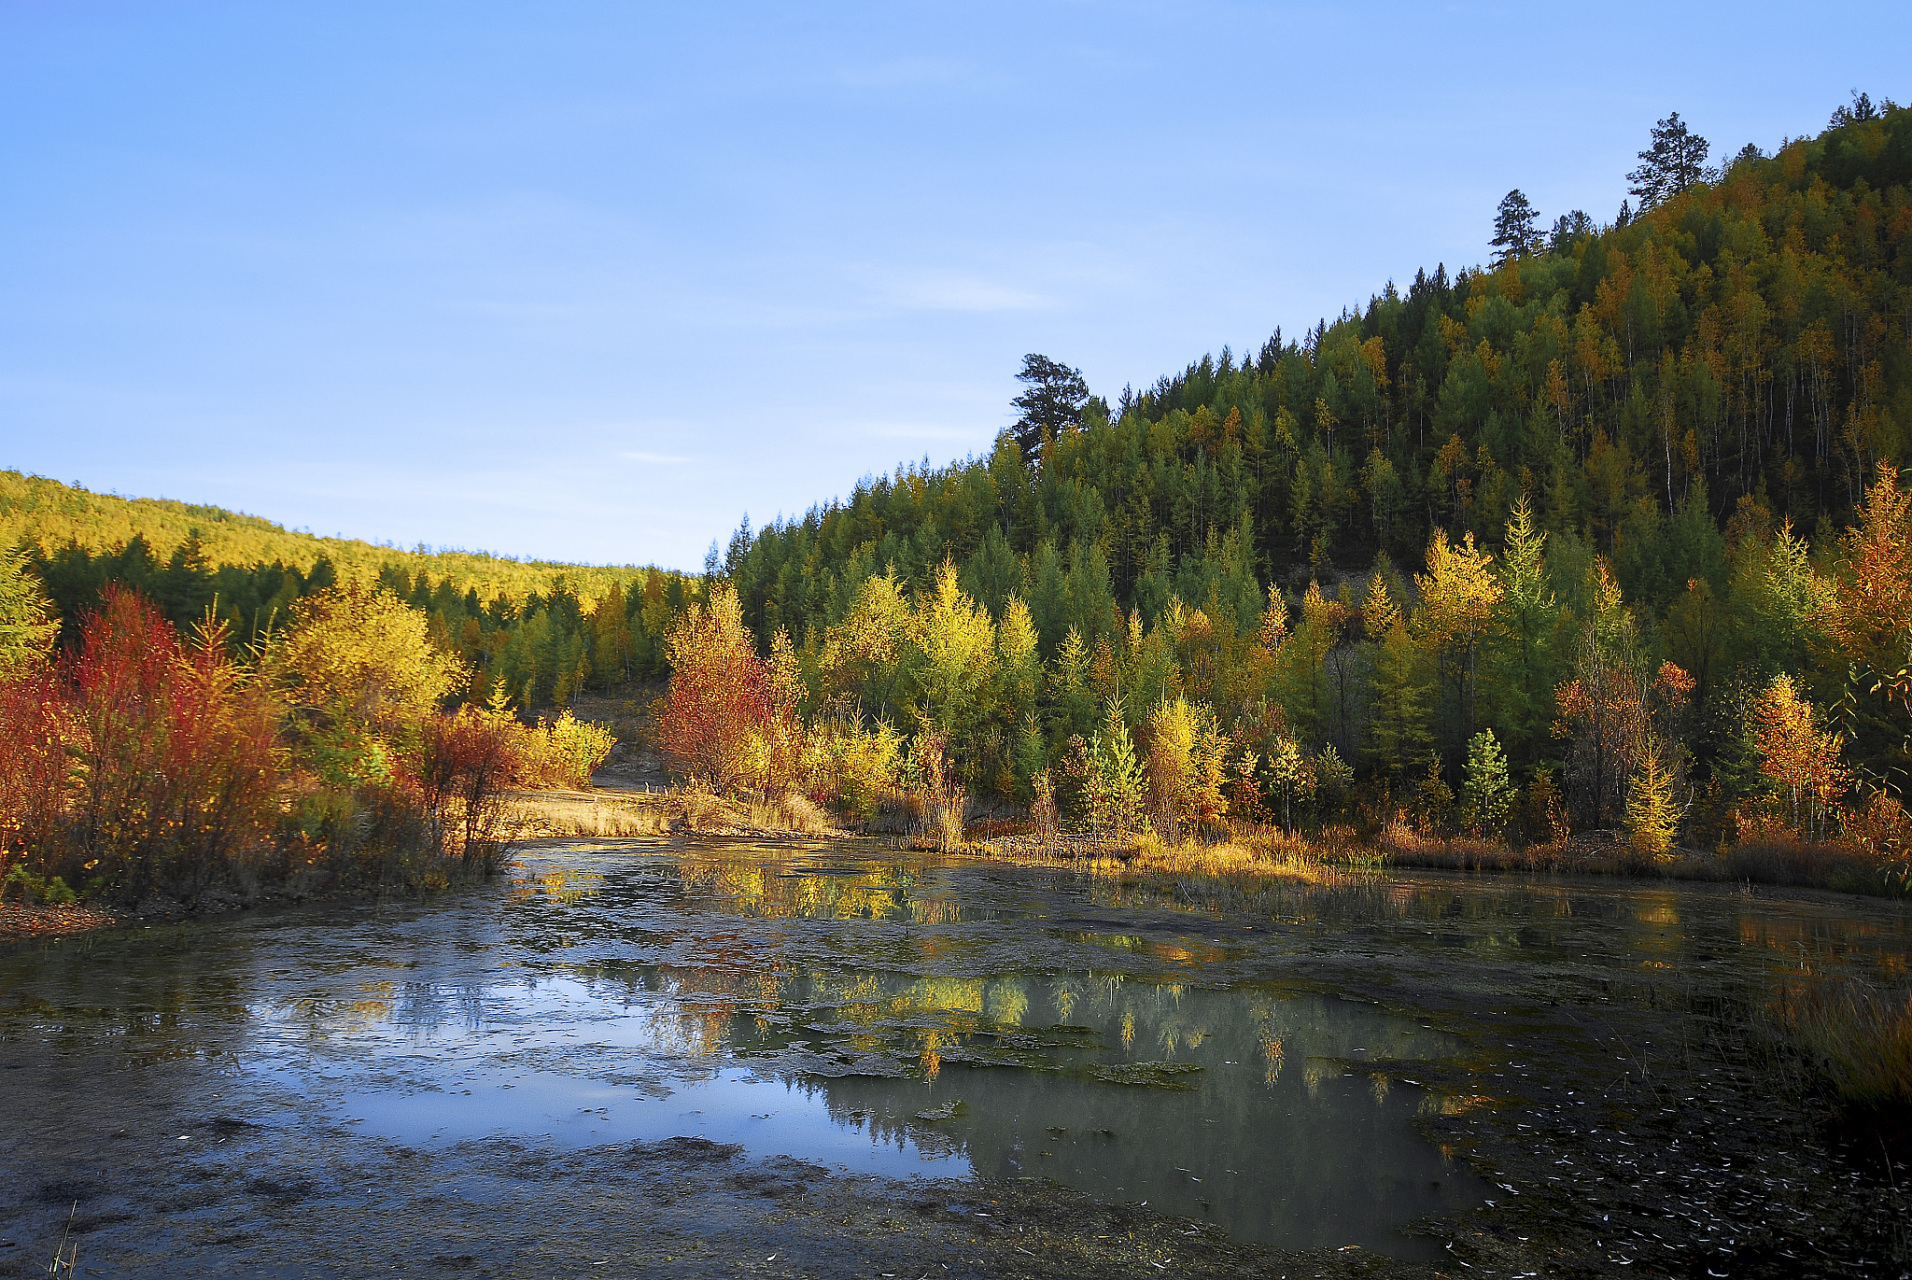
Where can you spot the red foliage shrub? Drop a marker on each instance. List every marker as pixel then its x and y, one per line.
pixel 463 763
pixel 720 697
pixel 36 774
pixel 137 760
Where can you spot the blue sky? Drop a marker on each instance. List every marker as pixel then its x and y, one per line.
pixel 590 282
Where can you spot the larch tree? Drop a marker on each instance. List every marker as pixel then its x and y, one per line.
pixel 953 663
pixel 1526 619
pixel 1800 760
pixel 1652 816
pixel 1398 729
pixel 1870 612
pixel 27 628
pixel 1459 593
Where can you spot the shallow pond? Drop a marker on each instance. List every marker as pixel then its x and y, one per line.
pixel 903 1015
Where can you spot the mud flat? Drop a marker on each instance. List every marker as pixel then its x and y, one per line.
pixel 828 1058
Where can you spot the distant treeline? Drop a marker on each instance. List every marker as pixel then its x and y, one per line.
pixel 46 513
pixel 540 647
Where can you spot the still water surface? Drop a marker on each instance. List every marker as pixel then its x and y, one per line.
pixel 904 1015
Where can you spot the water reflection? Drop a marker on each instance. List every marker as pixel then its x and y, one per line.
pixel 903 1014
pixel 1280 1118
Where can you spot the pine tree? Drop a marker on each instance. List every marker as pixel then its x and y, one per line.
pixel 1514 233
pixel 1674 162
pixel 1052 404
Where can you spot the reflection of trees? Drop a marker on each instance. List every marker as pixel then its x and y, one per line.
pixel 772 889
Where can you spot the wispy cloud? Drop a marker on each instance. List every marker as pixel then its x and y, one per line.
pixel 661 459
pixel 960 291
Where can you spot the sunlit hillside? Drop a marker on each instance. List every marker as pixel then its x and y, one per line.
pixel 45 512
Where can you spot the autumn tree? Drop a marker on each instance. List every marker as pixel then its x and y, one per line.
pixel 861 663
pixel 720 696
pixel 1185 766
pixel 363 656
pixel 26 625
pixel 1652 816
pixel 1800 759
pixel 954 656
pixel 1614 706
pixel 1459 593
pixel 1870 610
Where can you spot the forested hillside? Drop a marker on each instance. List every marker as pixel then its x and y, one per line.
pixel 1658 428
pixel 541 631
pixel 50 514
pixel 1745 339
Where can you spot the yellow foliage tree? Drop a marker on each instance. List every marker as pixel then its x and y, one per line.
pixel 1870 614
pixel 955 645
pixel 861 659
pixel 365 656
pixel 26 626
pixel 1458 595
pixel 1802 762
pixel 1652 816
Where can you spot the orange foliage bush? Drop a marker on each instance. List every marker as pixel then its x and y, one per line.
pixel 137 760
pixel 720 701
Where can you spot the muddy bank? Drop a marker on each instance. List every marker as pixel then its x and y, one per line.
pixel 22 925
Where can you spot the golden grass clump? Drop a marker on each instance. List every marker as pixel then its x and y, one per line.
pixel 696 810
pixel 1249 853
pixel 609 815
pixel 788 812
pixel 1858 1040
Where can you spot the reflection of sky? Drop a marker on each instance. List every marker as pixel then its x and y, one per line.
pixel 765 1116
pixel 1277 1117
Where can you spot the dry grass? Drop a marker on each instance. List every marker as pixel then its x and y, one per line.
pixel 1858 1040
pixel 588 813
pixel 613 814
pixel 1774 855
pixel 789 812
pixel 1764 856
pixel 1263 853
pixel 1246 852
